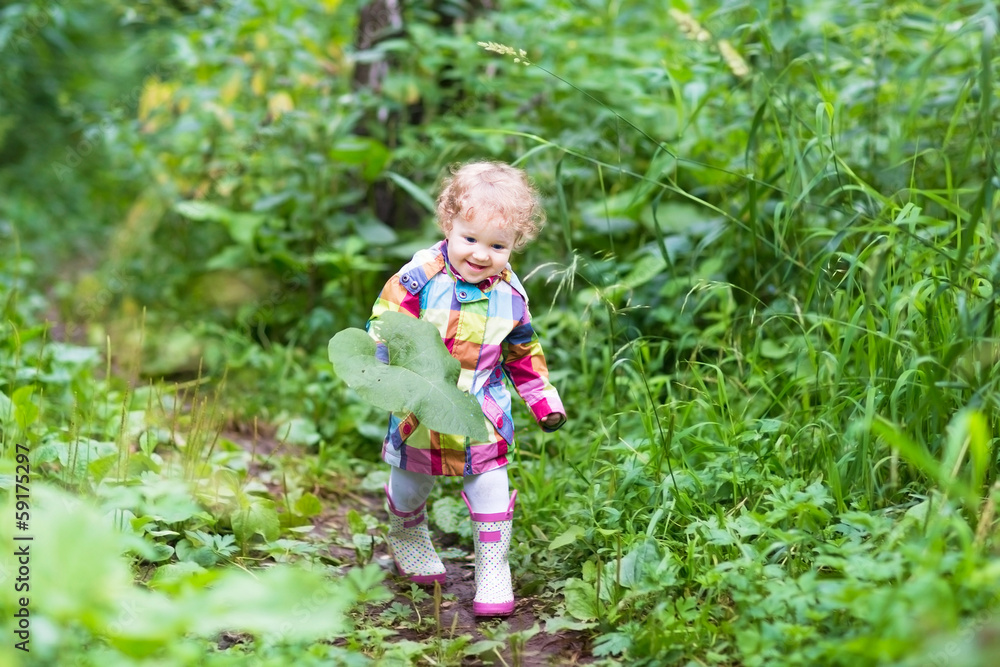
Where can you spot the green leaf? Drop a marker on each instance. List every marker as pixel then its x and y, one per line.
pixel 279 603
pixel 187 552
pixel 614 643
pixel 421 376
pixel 370 153
pixel 413 190
pixel 25 412
pixel 298 431
pixel 647 268
pixel 561 623
pixel 572 534
pixel 366 583
pixel 363 544
pixel 259 518
pixel 64 353
pixel 156 552
pixel 483 647
pixel 374 231
pixel 83 591
pixel 308 505
pixel 232 257
pixel 772 350
pixel 242 226
pixel 272 201
pixel 6 408
pixel 77 457
pixel 581 600
pixel 99 468
pixel 356 523
pixel 173 577
pixel 640 563
pixel 148 550
pixel 449 514
pixel 201 211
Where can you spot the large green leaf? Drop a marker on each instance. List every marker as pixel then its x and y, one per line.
pixel 257 518
pixel 421 376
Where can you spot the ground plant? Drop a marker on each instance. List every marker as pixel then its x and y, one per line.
pixel 769 285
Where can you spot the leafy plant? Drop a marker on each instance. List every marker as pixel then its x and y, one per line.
pixel 768 292
pixel 417 375
pixel 93 600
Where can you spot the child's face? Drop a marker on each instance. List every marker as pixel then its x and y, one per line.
pixel 478 248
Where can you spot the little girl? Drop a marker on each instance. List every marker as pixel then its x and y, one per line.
pixel 466 288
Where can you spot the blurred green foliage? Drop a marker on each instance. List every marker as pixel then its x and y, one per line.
pixel 768 292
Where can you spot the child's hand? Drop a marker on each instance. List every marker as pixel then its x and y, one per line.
pixel 553 421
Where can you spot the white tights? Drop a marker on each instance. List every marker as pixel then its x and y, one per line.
pixel 487 493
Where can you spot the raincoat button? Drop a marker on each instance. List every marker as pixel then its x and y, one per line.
pixel 500 422
pixel 463 294
pixel 407 428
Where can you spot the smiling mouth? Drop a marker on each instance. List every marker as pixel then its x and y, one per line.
pixel 475 267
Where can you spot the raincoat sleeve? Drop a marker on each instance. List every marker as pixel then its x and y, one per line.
pixel 524 363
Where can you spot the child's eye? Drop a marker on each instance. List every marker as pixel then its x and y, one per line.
pixel 470 239
pixel 497 246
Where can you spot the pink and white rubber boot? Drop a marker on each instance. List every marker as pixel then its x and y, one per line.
pixel 491 536
pixel 410 543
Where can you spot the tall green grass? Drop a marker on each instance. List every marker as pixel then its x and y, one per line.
pixel 794 441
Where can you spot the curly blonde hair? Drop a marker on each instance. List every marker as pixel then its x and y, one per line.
pixel 496 187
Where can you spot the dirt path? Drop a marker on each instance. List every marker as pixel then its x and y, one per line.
pixel 561 648
pixel 456 618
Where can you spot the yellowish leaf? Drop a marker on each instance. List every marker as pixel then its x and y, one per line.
pixel 279 104
pixel 231 88
pixel 258 84
pixel 155 94
pixel 224 117
pixel 737 65
pixel 307 80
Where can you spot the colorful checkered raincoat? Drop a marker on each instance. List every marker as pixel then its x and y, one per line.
pixel 487 327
